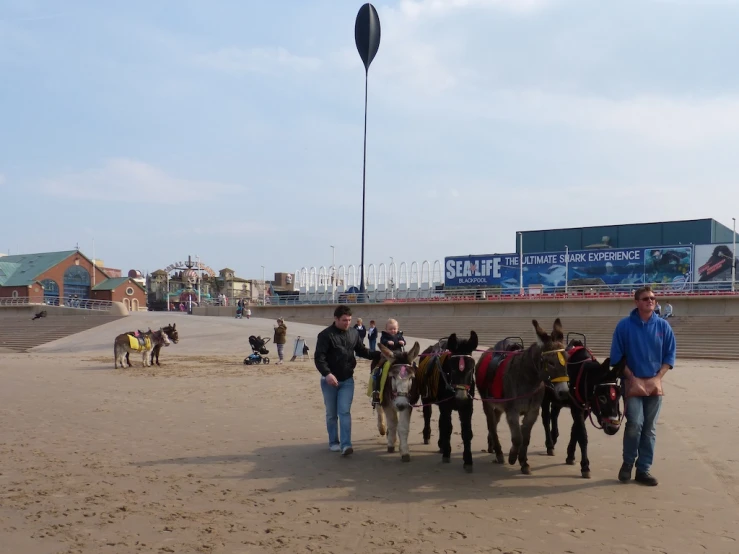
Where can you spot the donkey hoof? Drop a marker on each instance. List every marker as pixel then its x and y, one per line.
pixel 391 449
pixel 382 431
pixel 468 468
pixel 512 458
pixel 445 459
pixel 499 459
pixel 425 440
pixel 586 474
pixel 570 461
pixel 406 457
pixel 550 451
pixel 526 470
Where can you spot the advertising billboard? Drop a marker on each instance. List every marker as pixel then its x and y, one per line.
pixel 713 264
pixel 617 268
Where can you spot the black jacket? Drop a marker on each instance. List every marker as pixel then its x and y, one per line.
pixel 395 347
pixel 335 351
pixel 372 333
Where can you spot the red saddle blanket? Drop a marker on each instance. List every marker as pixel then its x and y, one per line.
pixel 495 389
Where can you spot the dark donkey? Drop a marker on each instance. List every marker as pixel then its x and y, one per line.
pixel 512 381
pixel 448 380
pixel 433 350
pixel 171 332
pixel 593 390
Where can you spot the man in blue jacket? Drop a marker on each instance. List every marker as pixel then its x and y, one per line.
pixel 648 344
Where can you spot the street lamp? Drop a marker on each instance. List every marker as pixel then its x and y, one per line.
pixel 733 258
pixel 264 289
pixel 333 273
pixel 520 262
pixel 567 266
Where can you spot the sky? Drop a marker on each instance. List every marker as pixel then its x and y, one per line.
pixel 233 130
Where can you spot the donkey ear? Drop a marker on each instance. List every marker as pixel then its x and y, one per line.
pixel 413 354
pixel 472 343
pixel 540 333
pixel 386 352
pixel 557 332
pixel 451 342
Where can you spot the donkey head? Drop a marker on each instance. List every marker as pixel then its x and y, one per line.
pixel 459 365
pixel 160 337
pixel 171 331
pixel 402 373
pixel 554 358
pixel 606 396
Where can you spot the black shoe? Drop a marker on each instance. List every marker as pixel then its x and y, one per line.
pixel 646 478
pixel 624 474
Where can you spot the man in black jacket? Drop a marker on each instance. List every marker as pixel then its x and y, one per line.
pixel 335 361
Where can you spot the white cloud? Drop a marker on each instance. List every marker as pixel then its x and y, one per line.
pixel 235 229
pixel 257 60
pixel 419 8
pixel 133 181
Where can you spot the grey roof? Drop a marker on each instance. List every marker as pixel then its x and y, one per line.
pixel 27 267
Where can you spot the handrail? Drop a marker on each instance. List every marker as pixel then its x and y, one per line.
pixel 65 302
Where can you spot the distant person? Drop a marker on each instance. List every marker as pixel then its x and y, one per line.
pixel 280 339
pixel 361 329
pixel 658 310
pixel 248 313
pixel 335 361
pixel 647 345
pixel 668 311
pixel 372 336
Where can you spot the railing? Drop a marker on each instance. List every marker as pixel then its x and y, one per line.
pixel 69 302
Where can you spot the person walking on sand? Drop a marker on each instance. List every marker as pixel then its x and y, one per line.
pixel 334 358
pixel 647 345
pixel 280 339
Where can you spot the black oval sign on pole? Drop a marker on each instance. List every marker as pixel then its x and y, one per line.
pixel 367 39
pixel 367 34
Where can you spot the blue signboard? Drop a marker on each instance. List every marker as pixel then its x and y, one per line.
pixel 618 268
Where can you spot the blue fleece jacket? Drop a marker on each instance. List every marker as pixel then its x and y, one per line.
pixel 646 344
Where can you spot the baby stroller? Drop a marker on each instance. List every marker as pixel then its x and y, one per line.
pixel 258 350
pixel 239 312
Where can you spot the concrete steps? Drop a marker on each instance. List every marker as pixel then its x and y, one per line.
pixel 21 334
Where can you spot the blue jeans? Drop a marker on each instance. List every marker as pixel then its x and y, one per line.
pixel 372 345
pixel 338 402
pixel 641 430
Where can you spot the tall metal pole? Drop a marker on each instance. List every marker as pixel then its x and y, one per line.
pixel 200 278
pixel 264 289
pixel 367 40
pixel 520 262
pixel 733 259
pixel 333 269
pixel 166 295
pixel 567 266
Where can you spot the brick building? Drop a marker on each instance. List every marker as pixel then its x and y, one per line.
pixel 57 277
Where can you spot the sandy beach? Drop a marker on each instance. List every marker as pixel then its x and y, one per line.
pixel 208 455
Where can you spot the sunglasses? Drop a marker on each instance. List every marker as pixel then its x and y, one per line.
pixel 648 299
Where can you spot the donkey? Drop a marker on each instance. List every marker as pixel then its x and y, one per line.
pixel 171 332
pixel 126 343
pixel 593 390
pixel 395 406
pixel 448 380
pixel 434 350
pixel 511 381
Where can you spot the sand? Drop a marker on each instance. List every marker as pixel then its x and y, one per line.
pixel 207 455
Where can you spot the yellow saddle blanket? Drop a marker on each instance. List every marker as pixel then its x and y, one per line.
pixel 383 379
pixel 134 343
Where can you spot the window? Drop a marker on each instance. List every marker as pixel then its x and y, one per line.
pixel 15 294
pixel 51 287
pixel 76 282
pixel 129 291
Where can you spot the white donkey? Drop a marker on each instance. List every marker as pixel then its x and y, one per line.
pixel 396 408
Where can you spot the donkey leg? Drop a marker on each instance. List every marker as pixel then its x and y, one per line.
pixel 426 422
pixel 381 428
pixel 391 416
pixel 445 432
pixel 582 439
pixel 497 447
pixel 529 419
pixel 404 426
pixel 556 408
pixel 546 421
pixel 514 424
pixel 577 416
pixel 465 421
